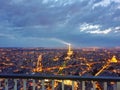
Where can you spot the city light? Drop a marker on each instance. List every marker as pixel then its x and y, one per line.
pixel 68 61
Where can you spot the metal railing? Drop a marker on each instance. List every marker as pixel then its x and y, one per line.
pixel 55 82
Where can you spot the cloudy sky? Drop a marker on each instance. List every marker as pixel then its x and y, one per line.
pixel 53 23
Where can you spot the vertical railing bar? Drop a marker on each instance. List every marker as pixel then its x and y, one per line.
pixel 24 84
pixel 115 86
pixel 33 84
pixel 72 85
pixel 62 84
pixel 94 85
pixel 6 84
pixel 15 84
pixel 118 85
pixel 0 83
pixel 105 85
pixel 43 85
pixel 52 84
pixel 83 85
pixel 39 86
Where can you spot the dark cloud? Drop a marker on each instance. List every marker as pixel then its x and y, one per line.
pixel 62 19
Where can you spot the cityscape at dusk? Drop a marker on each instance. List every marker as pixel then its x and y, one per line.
pixel 85 62
pixel 59 45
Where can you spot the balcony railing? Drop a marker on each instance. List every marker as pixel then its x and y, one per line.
pixel 54 82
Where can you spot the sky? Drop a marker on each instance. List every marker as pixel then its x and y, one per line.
pixel 55 23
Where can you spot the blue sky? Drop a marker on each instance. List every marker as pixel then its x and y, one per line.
pixel 53 23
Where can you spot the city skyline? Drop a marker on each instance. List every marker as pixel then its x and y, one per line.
pixel 54 23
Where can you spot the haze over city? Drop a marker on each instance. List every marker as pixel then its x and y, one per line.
pixel 49 23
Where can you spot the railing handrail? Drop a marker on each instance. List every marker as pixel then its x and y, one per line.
pixel 60 77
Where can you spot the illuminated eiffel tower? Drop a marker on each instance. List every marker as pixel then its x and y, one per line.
pixel 69 53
